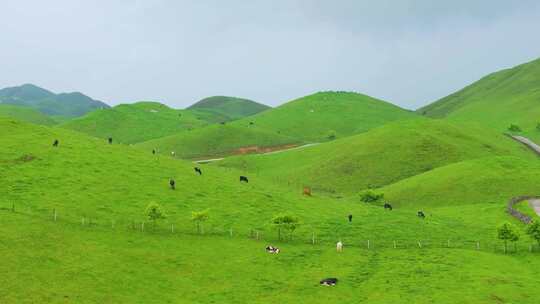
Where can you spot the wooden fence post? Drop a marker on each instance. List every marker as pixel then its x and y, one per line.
pixel 368 244
pixel 395 245
pixel 313 238
pixel 230 232
pixel 142 226
pixel 448 243
pixel 54 216
pixel 419 244
pixel 172 228
pixel 477 245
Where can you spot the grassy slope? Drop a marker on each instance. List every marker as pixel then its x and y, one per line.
pixel 507 97
pixel 26 114
pixel 48 262
pixel 136 122
pixel 310 118
pixel 229 107
pixel 379 157
pixel 313 117
pixel 216 140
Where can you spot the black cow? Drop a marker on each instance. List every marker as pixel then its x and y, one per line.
pixel 55 143
pixel 244 179
pixel 251 123
pixel 110 140
pixel 421 214
pixel 154 151
pixel 173 184
pixel 329 282
pixel 350 218
pixel 387 206
pixel 198 170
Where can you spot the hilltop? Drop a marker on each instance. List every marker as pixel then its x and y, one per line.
pixel 138 122
pixel 382 156
pixel 63 104
pixel 498 100
pixel 230 108
pixel 26 114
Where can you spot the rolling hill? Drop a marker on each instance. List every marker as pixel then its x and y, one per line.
pixel 230 108
pixel 63 104
pixel 319 117
pixel 98 252
pixel 379 157
pixel 138 122
pixel 26 114
pixel 510 96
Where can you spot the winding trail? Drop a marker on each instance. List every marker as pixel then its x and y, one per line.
pixel 527 142
pixel 205 161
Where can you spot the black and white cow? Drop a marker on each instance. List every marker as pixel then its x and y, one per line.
pixel 198 170
pixel 388 206
pixel 244 179
pixel 421 214
pixel 272 250
pixel 329 282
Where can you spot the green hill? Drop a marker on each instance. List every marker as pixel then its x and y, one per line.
pixel 63 104
pixel 327 115
pixel 26 114
pixel 218 140
pixel 318 117
pixel 97 252
pixel 379 157
pixel 230 108
pixel 133 123
pixel 498 100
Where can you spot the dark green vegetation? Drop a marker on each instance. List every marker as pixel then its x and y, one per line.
pixel 379 157
pixel 63 104
pixel 319 117
pixel 229 108
pixel 65 261
pixel 133 123
pixel 499 100
pixel 26 114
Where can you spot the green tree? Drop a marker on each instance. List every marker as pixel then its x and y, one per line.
pixel 199 217
pixel 154 213
pixel 514 128
pixel 533 230
pixel 370 196
pixel 287 222
pixel 507 232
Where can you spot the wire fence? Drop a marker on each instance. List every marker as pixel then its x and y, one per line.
pixel 189 228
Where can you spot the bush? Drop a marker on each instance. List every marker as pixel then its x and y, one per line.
pixel 154 212
pixel 199 217
pixel 370 196
pixel 514 128
pixel 533 230
pixel 285 221
pixel 507 232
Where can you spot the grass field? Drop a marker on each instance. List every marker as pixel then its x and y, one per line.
pixel 65 261
pixel 231 108
pixel 382 156
pixel 26 114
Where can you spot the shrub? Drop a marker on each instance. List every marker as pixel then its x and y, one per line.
pixel 507 232
pixel 285 221
pixel 514 128
pixel 370 196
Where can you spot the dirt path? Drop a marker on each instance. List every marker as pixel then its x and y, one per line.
pixel 205 161
pixel 529 143
pixel 535 204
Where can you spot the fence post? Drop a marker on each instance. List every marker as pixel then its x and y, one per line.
pixel 477 245
pixel 230 232
pixel 172 228
pixel 313 238
pixel 12 206
pixel 257 235
pixel 395 245
pixel 419 244
pixel 448 243
pixel 368 245
pixel 142 226
pixel 54 212
pixel 112 224
pixel 82 221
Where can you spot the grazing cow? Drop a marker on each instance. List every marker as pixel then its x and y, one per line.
pixel 110 140
pixel 329 282
pixel 421 214
pixel 173 154
pixel 272 250
pixel 339 246
pixel 244 179
pixel 154 151
pixel 251 123
pixel 307 191
pixel 198 170
pixel 350 218
pixel 172 183
pixel 55 143
pixel 387 206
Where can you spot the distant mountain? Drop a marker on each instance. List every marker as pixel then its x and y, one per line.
pixel 510 96
pixel 229 107
pixel 26 114
pixel 63 104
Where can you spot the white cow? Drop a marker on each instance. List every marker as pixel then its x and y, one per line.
pixel 339 246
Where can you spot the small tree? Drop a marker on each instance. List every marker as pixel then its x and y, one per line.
pixel 370 196
pixel 287 222
pixel 514 128
pixel 507 232
pixel 533 230
pixel 154 213
pixel 199 217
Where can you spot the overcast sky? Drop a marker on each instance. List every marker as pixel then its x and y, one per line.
pixel 177 52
